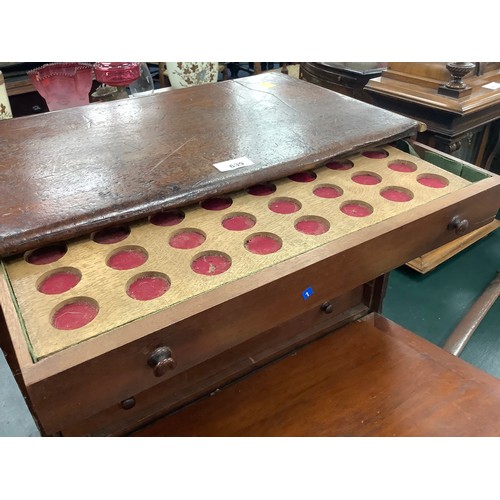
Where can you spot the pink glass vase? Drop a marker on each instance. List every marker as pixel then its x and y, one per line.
pixel 117 74
pixel 63 85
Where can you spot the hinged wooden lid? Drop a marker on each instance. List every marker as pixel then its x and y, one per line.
pixel 71 172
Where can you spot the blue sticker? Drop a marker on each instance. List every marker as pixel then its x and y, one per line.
pixel 307 293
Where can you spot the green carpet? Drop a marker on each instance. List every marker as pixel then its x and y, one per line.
pixel 432 305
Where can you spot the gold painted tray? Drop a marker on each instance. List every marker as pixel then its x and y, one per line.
pixel 68 293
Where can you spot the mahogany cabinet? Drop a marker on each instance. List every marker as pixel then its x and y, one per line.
pixel 226 227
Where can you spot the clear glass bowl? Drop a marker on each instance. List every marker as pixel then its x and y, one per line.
pixel 144 85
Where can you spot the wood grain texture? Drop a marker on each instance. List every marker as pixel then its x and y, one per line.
pixel 418 83
pixel 70 172
pixel 370 378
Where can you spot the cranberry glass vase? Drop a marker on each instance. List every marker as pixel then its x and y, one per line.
pixel 117 74
pixel 63 85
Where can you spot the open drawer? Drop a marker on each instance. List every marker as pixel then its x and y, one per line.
pixel 108 331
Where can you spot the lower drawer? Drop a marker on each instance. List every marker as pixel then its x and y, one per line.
pixel 84 389
pixel 369 378
pixel 138 409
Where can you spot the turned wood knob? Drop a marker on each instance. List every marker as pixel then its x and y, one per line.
pixel 161 361
pixel 128 404
pixel 458 225
pixel 327 307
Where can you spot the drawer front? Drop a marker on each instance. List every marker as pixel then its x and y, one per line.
pixel 137 409
pixel 90 387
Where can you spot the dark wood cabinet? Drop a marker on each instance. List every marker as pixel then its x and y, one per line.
pixel 467 127
pixel 348 78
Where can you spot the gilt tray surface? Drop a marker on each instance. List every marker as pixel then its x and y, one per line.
pixel 67 173
pixel 67 293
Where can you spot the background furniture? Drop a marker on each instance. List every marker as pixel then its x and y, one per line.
pixel 467 127
pixel 347 78
pixel 24 99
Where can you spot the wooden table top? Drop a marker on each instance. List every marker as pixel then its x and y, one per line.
pixel 70 172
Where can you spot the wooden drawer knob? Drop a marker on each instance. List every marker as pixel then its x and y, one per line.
pixel 128 404
pixel 458 225
pixel 327 307
pixel 161 361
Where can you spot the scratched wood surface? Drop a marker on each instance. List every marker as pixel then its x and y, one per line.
pixel 107 286
pixel 70 172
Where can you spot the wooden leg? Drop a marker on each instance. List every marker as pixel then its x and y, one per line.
pixel 482 147
pixel 493 153
pixel 463 332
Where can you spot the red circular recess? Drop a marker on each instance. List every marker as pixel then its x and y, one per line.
pixel 46 255
pixel 303 177
pixel 220 203
pixel 167 218
pixel 366 179
pixel 327 192
pixel 187 239
pixel 284 206
pixel 59 282
pixel 148 287
pixel 395 194
pixel 375 154
pixel 238 222
pixel 211 264
pixel 402 166
pixel 128 258
pixel 356 209
pixel 111 235
pixel 313 226
pixel 74 315
pixel 262 244
pixel 340 165
pixel 432 181
pixel 263 189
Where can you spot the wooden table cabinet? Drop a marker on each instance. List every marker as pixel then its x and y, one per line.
pixel 226 227
pixel 466 127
